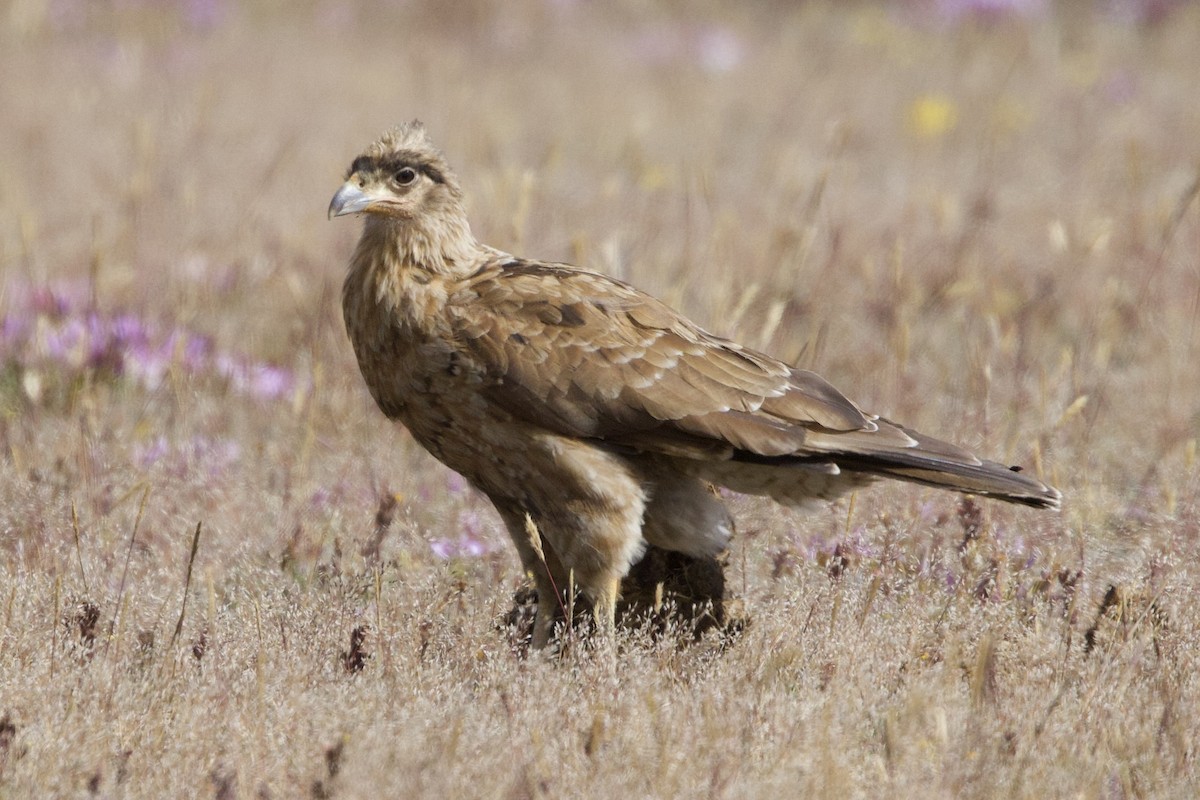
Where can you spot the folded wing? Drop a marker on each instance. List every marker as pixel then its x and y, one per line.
pixel 588 356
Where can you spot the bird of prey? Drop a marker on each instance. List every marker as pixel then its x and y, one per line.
pixel 594 417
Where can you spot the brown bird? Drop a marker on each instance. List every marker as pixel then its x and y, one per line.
pixel 590 413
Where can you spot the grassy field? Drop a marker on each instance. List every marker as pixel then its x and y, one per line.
pixel 984 226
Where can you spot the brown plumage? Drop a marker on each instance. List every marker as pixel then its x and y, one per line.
pixel 588 407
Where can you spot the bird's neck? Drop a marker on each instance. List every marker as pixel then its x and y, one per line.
pixel 406 272
pixel 443 248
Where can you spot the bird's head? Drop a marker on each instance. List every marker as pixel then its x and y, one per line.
pixel 401 177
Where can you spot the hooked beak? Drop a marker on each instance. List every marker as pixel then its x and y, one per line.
pixel 350 199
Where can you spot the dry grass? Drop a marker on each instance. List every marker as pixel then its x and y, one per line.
pixel 988 230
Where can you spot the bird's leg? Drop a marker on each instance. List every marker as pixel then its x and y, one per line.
pixel 539 563
pixel 547 603
pixel 604 606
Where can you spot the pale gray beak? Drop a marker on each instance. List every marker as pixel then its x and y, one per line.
pixel 350 199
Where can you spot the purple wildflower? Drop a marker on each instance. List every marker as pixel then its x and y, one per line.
pixel 471 542
pixel 715 49
pixel 320 499
pixel 264 381
pixel 212 456
pixel 719 50
pixel 147 455
pixel 14 330
pixel 44 300
pixel 59 323
pixel 269 382
pixel 129 330
pixel 63 342
pixel 990 9
pixel 196 352
pixel 460 547
pixel 145 364
pixel 472 548
pixel 1142 11
pixel 204 14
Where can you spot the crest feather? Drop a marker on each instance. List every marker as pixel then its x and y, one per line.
pixel 407 136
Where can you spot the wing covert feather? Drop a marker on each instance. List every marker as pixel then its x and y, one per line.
pixel 590 356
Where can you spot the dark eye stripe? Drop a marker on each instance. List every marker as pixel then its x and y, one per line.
pixel 391 166
pixel 432 173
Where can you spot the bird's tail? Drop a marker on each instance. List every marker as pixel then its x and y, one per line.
pixel 987 478
pixel 932 462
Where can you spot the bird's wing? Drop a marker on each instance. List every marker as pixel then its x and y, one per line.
pixel 585 355
pixel 589 356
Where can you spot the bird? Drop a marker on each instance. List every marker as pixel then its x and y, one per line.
pixel 595 418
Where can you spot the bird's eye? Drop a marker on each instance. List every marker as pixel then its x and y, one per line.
pixel 406 176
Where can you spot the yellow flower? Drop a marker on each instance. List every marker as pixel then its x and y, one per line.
pixel 931 116
pixel 652 177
